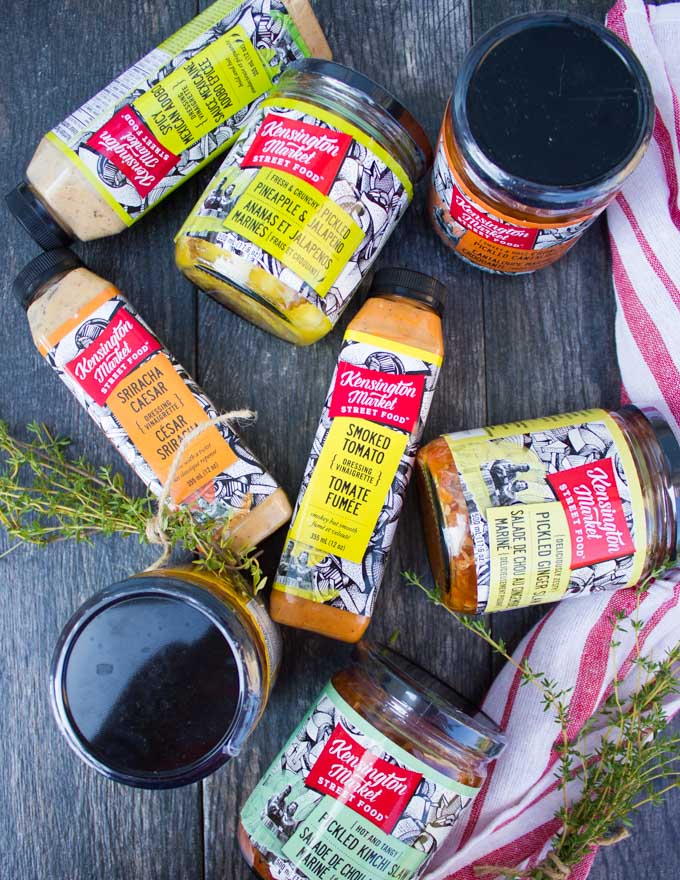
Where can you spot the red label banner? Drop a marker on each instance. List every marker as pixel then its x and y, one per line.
pixel 132 148
pixel 307 151
pixel 597 523
pixel 468 215
pixel 386 398
pixel 372 787
pixel 113 352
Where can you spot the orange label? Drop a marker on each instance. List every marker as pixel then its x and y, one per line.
pixel 484 236
pixel 156 409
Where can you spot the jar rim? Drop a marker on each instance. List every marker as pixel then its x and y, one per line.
pixel 432 700
pixel 378 95
pixel 525 191
pixel 670 449
pixel 136 587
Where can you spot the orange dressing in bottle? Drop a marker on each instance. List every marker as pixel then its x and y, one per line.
pixel 362 457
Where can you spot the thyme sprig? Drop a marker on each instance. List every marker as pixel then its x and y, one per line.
pixel 48 495
pixel 635 763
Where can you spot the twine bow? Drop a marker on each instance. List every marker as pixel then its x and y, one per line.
pixel 156 525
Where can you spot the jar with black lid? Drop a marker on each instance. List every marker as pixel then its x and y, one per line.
pixel 159 680
pixel 550 115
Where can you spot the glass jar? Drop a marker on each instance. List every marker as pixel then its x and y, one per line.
pixel 158 680
pixel 550 115
pixel 541 510
pixel 294 218
pixel 381 768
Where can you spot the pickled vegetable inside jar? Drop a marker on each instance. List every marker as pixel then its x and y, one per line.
pixel 302 205
pixel 541 510
pixel 381 770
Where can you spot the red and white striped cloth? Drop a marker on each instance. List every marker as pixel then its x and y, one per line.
pixel 513 818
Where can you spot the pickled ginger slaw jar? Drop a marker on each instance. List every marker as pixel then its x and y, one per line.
pixel 160 121
pixel 303 203
pixel 541 510
pixel 550 115
pixel 381 769
pixel 158 680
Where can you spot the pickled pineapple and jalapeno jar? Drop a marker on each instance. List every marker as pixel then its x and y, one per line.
pixel 541 510
pixel 382 768
pixel 297 213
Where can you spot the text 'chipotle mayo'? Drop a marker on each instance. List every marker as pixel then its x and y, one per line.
pixel 161 121
pixel 361 461
pixel 143 400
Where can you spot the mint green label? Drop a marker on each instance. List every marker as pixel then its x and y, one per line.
pixel 341 801
pixel 335 843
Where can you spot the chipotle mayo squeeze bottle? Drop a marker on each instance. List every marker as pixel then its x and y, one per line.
pixel 362 457
pixel 143 400
pixel 162 120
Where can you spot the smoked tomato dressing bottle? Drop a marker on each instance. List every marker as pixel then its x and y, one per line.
pixel 362 457
pixel 143 400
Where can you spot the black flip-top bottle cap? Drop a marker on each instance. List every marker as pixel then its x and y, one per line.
pixel 376 93
pixel 35 218
pixel 415 285
pixel 41 270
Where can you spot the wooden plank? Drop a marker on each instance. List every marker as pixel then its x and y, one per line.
pixel 410 48
pixel 58 819
pixel 549 340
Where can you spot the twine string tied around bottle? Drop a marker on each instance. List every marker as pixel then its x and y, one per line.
pixel 156 525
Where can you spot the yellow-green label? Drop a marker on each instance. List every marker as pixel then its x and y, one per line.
pixel 529 544
pixel 295 223
pixel 306 197
pixel 555 507
pixel 204 92
pixel 348 487
pixel 179 106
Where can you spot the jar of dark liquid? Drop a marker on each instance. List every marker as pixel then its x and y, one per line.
pixel 550 115
pixel 158 680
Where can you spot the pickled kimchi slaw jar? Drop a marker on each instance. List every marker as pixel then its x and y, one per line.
pixel 160 121
pixel 159 680
pixel 550 115
pixel 380 770
pixel 297 213
pixel 541 510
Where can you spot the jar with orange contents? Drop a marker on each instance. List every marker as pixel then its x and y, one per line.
pixel 550 114
pixel 545 509
pixel 381 769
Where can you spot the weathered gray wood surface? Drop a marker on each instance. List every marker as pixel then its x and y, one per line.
pixel 522 347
